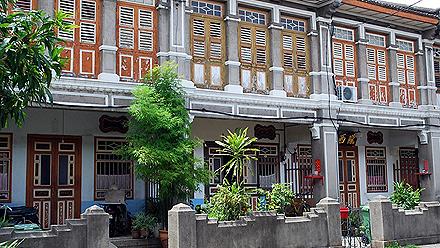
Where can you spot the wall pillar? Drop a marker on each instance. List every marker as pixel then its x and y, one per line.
pixel 332 209
pixel 325 148
pixel 108 48
pixel 431 89
pixel 276 69
pixel 182 227
pixel 361 47
pixel 232 58
pixel 429 150
pixel 97 227
pixel 421 78
pixel 381 221
pixel 164 26
pixel 324 73
pixel 394 83
pixel 315 67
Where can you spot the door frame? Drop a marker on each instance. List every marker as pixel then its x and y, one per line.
pixel 343 149
pixel 31 138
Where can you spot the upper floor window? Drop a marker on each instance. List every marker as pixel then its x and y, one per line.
pixel 212 9
pixel 111 169
pixel 252 16
pixel 344 58
pixel 5 167
pixel 136 39
pixel 207 45
pixel 406 74
pixel 295 57
pixel 254 51
pixel 377 68
pixel 437 67
pixel 82 44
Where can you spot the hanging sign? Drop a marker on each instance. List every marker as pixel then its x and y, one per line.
pixel 347 138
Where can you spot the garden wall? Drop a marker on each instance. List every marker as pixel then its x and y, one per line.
pixel 389 223
pixel 319 228
pixel 91 231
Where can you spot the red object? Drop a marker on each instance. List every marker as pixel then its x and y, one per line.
pixel 344 213
pixel 313 177
pixel 425 166
pixel 318 166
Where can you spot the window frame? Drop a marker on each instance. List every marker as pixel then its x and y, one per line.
pixel 254 67
pixel 206 60
pixel 135 54
pixel 377 83
pixel 294 71
pixel 95 158
pixel 344 80
pixel 10 159
pixel 385 176
pixel 436 59
pixel 406 86
pixel 75 49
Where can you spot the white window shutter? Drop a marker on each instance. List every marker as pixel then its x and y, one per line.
pixel 126 38
pixel 88 10
pixel 199 48
pixel 401 76
pixel 288 60
pixel 411 77
pixel 287 42
pixel 216 50
pixel 382 71
pixel 87 32
pixel 198 27
pixel 67 35
pixel 245 35
pixel 300 44
pixel 349 52
pixel 410 62
pixel 145 40
pixel 337 50
pixel 215 30
pixel 260 37
pixel 67 6
pixel 400 60
pixel 371 56
pixel 349 69
pixel 145 19
pixel 338 67
pixel 381 57
pixel 246 55
pixel 261 56
pixel 371 72
pixel 126 16
pixel 25 5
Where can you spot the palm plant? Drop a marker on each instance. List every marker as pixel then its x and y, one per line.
pixel 237 145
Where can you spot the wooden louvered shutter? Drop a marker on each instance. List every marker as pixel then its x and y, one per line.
pixel 371 66
pixel 215 53
pixel 261 59
pixel 407 78
pixel 401 68
pixel 437 72
pixel 246 56
pixel 136 40
pixel 377 74
pixel 338 61
pixel 349 61
pixel 25 5
pixel 81 47
pixel 198 51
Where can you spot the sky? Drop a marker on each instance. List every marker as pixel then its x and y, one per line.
pixel 424 3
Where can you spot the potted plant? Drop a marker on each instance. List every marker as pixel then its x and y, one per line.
pixel 142 224
pixel 159 140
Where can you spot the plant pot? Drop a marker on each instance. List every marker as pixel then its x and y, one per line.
pixel 163 236
pixel 143 233
pixel 135 234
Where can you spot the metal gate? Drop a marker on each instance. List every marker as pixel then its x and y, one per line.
pixel 298 165
pixel 355 233
pixel 407 167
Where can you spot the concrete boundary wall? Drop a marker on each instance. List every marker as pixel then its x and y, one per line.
pixel 319 228
pixel 390 223
pixel 91 231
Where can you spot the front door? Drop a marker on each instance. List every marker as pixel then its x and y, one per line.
pixel 54 178
pixel 349 176
pixel 408 167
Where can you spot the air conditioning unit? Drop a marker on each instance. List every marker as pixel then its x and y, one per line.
pixel 347 93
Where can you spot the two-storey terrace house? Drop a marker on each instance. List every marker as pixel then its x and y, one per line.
pixel 342 96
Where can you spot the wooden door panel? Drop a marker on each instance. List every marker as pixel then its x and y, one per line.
pixel 349 176
pixel 54 183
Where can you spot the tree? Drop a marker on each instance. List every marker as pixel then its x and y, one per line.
pixel 30 56
pixel 159 137
pixel 237 145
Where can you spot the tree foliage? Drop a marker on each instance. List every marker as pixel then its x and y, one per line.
pixel 30 56
pixel 237 145
pixel 159 136
pixel 229 202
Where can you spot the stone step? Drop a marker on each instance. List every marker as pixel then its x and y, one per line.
pixel 129 242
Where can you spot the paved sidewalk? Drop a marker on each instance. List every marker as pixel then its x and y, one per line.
pixel 430 246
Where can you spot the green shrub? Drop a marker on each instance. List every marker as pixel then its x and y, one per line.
pixel 405 196
pixel 229 202
pixel 144 221
pixel 280 197
pixel 396 245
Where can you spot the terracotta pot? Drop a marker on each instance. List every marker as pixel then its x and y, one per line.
pixel 143 233
pixel 163 236
pixel 135 234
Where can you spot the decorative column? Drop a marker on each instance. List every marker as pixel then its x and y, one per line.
pixel 324 74
pixel 361 45
pixel 429 67
pixel 394 83
pixel 232 61
pixel 314 59
pixel 429 151
pixel 163 7
pixel 48 7
pixel 421 76
pixel 276 69
pixel 325 149
pixel 108 48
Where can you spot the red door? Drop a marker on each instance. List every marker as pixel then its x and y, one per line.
pixel 54 178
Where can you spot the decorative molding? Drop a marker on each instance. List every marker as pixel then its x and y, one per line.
pixel 230 62
pixel 363 80
pixel 232 19
pixel 276 68
pixel 393 84
pixel 108 48
pixel 174 54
